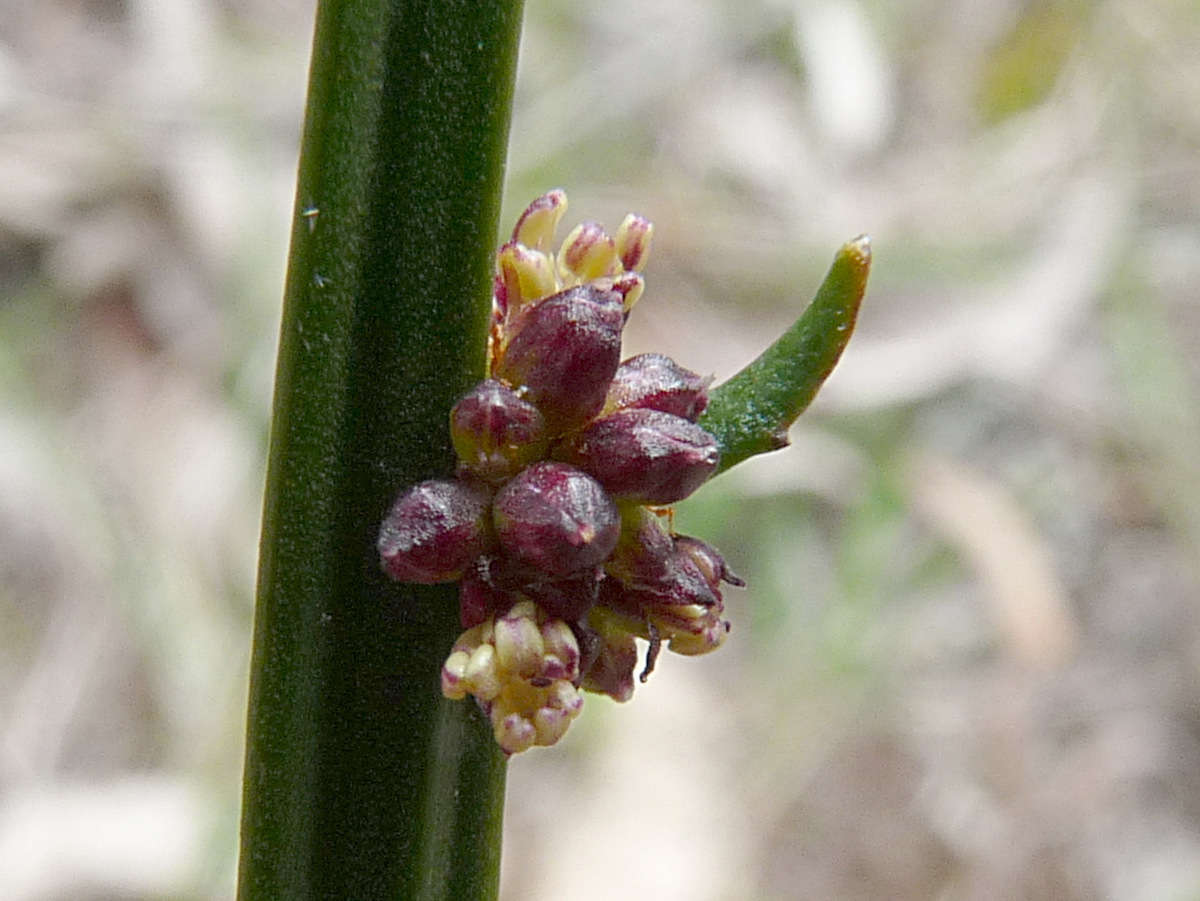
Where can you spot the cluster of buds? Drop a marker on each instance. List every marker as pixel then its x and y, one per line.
pixel 524 666
pixel 558 524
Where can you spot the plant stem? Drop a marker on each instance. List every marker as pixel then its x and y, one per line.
pixel 361 782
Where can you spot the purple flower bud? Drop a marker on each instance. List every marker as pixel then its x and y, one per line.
pixel 556 519
pixel 478 594
pixel 644 455
pixel 496 433
pixel 656 382
pixel 669 582
pixel 433 532
pixel 685 584
pixel 561 353
pixel 495 583
pixel 611 668
pixel 567 599
pixel 644 549
pixel 710 562
pixel 688 627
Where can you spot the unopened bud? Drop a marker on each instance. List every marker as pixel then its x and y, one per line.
pixel 709 638
pixel 496 433
pixel 633 241
pixel 685 584
pixel 613 662
pixel 513 732
pixel 519 646
pixel 561 353
pixel 644 455
pixel 588 252
pixel 477 599
pixel 454 672
pixel 481 675
pixel 561 651
pixel 433 532
pixel 644 549
pixel 709 561
pixel 659 584
pixel 535 227
pixel 531 713
pixel 550 724
pixel 689 629
pixel 526 274
pixel 656 382
pixel 556 519
pixel 630 286
pixel 567 599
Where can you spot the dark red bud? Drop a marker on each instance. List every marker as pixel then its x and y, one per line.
pixel 433 532
pixel 709 560
pixel 495 432
pixel 644 455
pixel 687 584
pixel 679 582
pixel 556 519
pixel 692 611
pixel 480 593
pixel 567 599
pixel 657 382
pixel 617 596
pixel 508 580
pixel 610 669
pixel 561 353
pixel 644 550
pixel 476 601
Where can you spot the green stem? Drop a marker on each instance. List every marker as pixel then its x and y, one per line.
pixel 361 782
pixel 750 413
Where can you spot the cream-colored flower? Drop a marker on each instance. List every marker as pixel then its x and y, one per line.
pixel 522 668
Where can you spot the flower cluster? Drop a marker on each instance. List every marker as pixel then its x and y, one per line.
pixel 557 526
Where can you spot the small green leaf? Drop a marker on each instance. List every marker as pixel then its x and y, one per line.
pixel 750 413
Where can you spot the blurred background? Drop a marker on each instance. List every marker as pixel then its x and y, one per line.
pixel 967 665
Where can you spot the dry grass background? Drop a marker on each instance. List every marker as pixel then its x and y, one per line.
pixel 968 662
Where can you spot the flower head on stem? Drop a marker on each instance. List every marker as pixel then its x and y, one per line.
pixel 556 526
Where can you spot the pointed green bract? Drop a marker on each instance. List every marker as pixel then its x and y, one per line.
pixel 751 412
